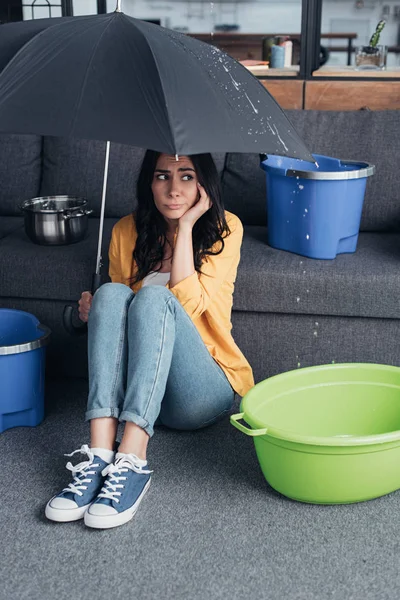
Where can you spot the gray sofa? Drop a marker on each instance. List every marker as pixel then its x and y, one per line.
pixel 348 308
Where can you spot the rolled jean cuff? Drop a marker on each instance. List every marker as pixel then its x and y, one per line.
pixel 102 412
pixel 134 418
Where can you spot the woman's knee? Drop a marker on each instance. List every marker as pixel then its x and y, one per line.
pixel 151 296
pixel 111 294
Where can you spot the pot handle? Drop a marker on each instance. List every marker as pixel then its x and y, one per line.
pixel 81 213
pixel 252 432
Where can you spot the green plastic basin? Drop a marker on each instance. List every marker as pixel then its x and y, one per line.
pixel 328 434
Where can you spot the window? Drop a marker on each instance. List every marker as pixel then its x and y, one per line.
pixel 358 19
pixel 41 9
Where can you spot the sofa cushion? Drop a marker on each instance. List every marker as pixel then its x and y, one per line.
pixel 75 167
pixel 20 171
pixel 373 137
pixel 9 224
pixel 363 284
pixel 60 273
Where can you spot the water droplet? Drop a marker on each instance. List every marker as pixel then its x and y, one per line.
pixel 306 209
pixel 315 333
pixel 308 291
pixel 316 323
pixel 212 17
pixel 333 362
pixel 297 299
pixel 304 272
pixel 298 365
pixel 301 187
pixel 307 236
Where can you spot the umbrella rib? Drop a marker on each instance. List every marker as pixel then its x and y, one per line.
pixel 86 76
pixel 165 98
pixel 138 30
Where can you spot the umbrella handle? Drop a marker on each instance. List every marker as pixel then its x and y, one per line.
pixel 77 330
pixel 68 310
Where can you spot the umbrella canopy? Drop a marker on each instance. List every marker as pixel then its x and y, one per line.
pixel 116 78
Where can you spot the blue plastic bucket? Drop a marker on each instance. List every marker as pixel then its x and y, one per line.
pixel 315 211
pixel 22 368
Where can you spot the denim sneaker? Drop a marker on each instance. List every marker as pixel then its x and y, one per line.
pixel 73 501
pixel 113 507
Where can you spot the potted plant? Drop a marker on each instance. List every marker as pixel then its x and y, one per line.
pixel 374 55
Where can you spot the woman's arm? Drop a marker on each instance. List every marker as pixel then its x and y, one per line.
pixel 182 260
pixel 198 290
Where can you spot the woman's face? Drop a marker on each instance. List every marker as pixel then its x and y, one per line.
pixel 174 187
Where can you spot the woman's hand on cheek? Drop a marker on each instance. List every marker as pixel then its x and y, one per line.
pixel 202 205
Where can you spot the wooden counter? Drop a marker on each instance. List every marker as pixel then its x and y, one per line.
pixel 288 94
pixel 342 88
pixel 352 95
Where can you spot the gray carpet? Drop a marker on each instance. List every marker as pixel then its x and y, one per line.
pixel 209 527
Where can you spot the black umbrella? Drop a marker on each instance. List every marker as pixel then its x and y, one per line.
pixel 112 77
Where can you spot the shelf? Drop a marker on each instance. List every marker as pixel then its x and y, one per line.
pixel 342 71
pixel 264 71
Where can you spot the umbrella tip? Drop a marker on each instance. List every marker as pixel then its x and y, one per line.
pixel 118 9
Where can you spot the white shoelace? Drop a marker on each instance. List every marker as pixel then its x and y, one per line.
pixel 121 465
pixel 80 468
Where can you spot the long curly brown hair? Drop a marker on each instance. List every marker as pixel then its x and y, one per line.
pixel 152 228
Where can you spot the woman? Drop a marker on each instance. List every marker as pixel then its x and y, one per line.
pixel 160 348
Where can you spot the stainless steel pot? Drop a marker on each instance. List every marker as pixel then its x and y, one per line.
pixel 55 220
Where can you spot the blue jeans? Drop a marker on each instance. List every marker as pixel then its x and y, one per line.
pixel 148 363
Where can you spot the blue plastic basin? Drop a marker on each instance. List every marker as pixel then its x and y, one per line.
pixel 22 368
pixel 315 212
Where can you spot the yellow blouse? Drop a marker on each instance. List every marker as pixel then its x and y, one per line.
pixel 207 298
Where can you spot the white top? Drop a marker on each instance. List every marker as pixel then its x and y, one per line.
pixel 156 279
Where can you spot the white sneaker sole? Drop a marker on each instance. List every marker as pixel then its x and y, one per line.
pixel 64 515
pixel 108 521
